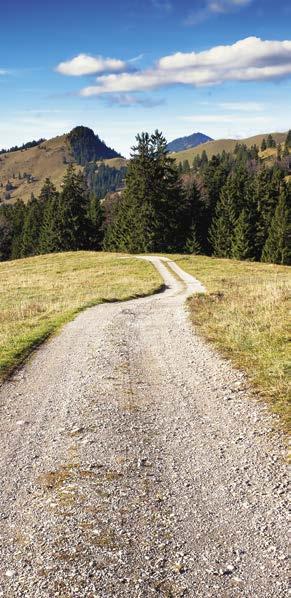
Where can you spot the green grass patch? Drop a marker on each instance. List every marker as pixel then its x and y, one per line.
pixel 245 314
pixel 39 294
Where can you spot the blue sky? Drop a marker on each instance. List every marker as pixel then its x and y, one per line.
pixel 222 67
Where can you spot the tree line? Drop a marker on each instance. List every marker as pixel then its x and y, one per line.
pixel 231 205
pixel 102 178
pixel 57 221
pixel 22 147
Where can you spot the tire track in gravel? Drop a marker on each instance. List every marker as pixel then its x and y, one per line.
pixel 135 462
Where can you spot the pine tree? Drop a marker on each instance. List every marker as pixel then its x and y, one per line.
pixel 6 232
pixel 288 139
pixel 267 185
pixel 222 227
pixel 192 244
pixel 213 178
pixel 95 217
pixel 197 217
pixel 204 159
pixel 277 248
pixel 73 212
pixel 241 247
pixel 17 220
pixel 48 191
pixel 186 166
pixel 50 234
pixel 31 228
pixel 231 202
pixel 151 215
pixel 271 141
pixel 263 145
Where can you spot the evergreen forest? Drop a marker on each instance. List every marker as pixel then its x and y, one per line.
pixel 233 205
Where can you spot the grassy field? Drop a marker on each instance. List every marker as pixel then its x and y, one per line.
pixel 39 294
pixel 228 145
pixel 245 314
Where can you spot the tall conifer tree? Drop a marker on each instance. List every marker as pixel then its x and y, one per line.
pixel 31 228
pixel 241 247
pixel 266 192
pixel 73 212
pixel 152 214
pixel 228 208
pixel 49 239
pixel 277 248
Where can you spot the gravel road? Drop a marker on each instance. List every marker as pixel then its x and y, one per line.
pixel 135 462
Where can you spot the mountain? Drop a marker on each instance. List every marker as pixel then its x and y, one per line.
pixel 184 143
pixel 228 145
pixel 87 147
pixel 23 172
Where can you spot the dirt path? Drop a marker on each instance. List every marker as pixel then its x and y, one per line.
pixel 134 463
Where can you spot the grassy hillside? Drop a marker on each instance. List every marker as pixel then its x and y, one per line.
pixel 41 293
pixel 245 314
pixel 116 162
pixel 228 145
pixel 49 159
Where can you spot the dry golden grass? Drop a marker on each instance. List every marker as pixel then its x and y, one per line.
pixel 51 156
pixel 116 162
pixel 245 313
pixel 228 145
pixel 40 294
pixel 41 161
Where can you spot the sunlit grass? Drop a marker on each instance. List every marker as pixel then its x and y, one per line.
pixel 245 313
pixel 39 294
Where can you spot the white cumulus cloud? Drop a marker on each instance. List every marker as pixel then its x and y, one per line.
pixel 250 59
pixel 84 64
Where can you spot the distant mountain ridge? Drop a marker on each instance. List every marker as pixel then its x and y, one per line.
pixel 183 143
pixel 24 169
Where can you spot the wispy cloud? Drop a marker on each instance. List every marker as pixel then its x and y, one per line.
pixel 136 58
pixel 84 64
pixel 3 72
pixel 222 118
pixel 250 59
pixel 215 7
pixel 164 5
pixel 128 100
pixel 242 106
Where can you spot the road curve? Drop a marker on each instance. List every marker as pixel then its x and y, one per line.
pixel 135 462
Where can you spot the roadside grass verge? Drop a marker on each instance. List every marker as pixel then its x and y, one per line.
pixel 40 294
pixel 245 314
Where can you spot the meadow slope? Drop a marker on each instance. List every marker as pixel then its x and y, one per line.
pixel 227 145
pixel 41 293
pixel 245 315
